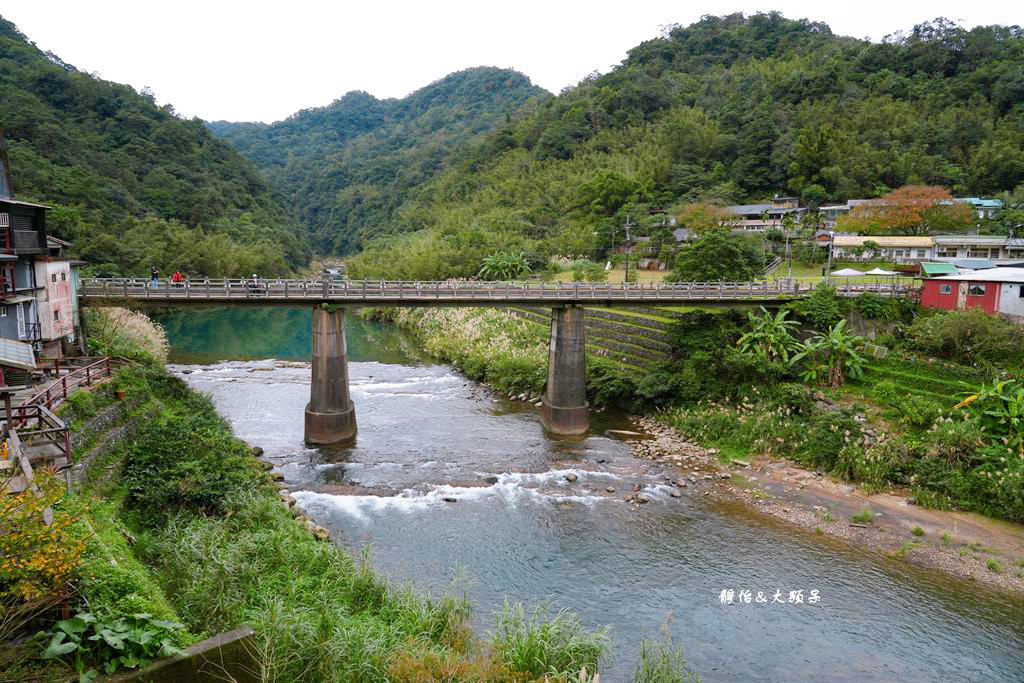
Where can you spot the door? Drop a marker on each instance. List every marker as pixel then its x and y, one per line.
pixel 961 296
pixel 21 321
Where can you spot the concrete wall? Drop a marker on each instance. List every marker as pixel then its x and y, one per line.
pixel 230 656
pixel 1011 299
pixel 56 305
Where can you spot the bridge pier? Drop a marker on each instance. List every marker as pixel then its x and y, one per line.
pixel 330 414
pixel 565 410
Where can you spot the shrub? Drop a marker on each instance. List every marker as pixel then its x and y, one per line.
pixel 916 411
pixel 184 462
pixel 968 337
pixel 821 310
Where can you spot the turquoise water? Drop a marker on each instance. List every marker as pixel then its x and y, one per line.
pixel 520 530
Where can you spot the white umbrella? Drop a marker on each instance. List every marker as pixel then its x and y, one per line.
pixel 879 271
pixel 847 272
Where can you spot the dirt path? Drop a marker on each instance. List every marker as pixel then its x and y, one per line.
pixel 965 545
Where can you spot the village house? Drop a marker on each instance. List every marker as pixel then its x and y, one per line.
pixel 762 217
pixel 996 291
pixel 37 302
pixel 893 248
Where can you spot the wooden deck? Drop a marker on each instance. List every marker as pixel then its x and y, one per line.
pixel 118 291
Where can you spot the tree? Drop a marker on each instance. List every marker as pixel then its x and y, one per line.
pixel 700 217
pixel 909 210
pixel 719 255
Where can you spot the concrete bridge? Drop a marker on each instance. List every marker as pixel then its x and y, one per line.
pixel 330 415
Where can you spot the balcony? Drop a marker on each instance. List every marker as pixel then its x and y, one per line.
pixel 27 242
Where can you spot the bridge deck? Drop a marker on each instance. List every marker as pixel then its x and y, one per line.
pixel 115 291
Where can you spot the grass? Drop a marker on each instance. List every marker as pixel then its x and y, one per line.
pixel 901 552
pixel 946 538
pixel 865 516
pixel 662 661
pixel 918 531
pixel 545 644
pixel 994 565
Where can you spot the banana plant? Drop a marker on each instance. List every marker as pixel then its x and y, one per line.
pixel 770 336
pixel 999 407
pixel 831 357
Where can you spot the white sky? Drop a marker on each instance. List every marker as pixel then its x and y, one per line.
pixel 261 61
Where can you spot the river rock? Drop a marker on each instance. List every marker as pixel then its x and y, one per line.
pixel 638 487
pixel 257 451
pixel 276 476
pixel 571 477
pixel 539 403
pixel 642 498
pixel 449 499
pixel 680 482
pixel 676 494
pixel 610 489
pixel 491 480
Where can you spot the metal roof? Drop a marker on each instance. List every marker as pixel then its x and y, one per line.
pixel 6 200
pixel 16 354
pixel 987 240
pixel 883 240
pixel 990 275
pixel 974 263
pixel 938 268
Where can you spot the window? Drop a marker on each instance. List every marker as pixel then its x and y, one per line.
pixel 976 290
pixel 56 316
pixel 1021 292
pixel 53 277
pixel 946 252
pixel 3 309
pixel 63 277
pixel 919 253
pixel 948 289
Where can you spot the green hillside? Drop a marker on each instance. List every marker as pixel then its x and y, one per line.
pixel 347 167
pixel 132 184
pixel 729 109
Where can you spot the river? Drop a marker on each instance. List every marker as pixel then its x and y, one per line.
pixel 519 529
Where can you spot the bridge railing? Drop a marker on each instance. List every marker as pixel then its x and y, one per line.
pixel 403 290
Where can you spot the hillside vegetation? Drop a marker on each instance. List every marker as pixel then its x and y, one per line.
pixel 132 184
pixel 726 110
pixel 347 167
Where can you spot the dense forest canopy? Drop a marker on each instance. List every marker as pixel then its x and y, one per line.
pixel 730 109
pixel 132 184
pixel 347 167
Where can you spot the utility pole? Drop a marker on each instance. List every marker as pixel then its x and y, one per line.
pixel 831 242
pixel 629 224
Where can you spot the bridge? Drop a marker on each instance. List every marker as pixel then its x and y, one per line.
pixel 330 414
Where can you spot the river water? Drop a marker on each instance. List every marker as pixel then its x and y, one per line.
pixel 518 529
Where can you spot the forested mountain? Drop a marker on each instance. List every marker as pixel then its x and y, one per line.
pixel 347 167
pixel 726 110
pixel 130 183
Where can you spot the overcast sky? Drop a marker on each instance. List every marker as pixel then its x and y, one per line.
pixel 262 61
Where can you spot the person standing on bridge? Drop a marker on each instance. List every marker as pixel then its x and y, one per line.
pixel 154 278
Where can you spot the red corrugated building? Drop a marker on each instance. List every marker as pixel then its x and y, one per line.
pixel 997 291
